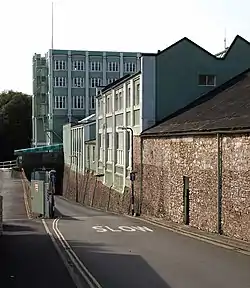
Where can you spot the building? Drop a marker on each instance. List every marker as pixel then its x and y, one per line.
pixel 195 165
pixel 64 84
pixel 168 81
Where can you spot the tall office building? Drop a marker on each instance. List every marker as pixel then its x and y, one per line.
pixel 64 87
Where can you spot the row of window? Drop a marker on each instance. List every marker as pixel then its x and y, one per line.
pixel 95 66
pixel 119 99
pixel 78 102
pixel 119 147
pixel 77 82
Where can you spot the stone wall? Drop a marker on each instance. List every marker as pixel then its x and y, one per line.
pixel 236 186
pixel 166 161
pixel 92 192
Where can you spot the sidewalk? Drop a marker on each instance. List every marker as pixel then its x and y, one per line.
pixel 27 255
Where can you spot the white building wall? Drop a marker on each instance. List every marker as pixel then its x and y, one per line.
pixel 67 143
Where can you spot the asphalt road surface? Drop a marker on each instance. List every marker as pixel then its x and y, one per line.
pixel 27 255
pixel 123 252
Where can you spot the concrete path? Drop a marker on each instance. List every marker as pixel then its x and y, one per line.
pixel 27 255
pixel 125 252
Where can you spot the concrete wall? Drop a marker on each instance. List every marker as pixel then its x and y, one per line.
pixel 166 161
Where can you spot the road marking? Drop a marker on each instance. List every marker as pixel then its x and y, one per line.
pixel 122 229
pixel 88 277
pixel 65 261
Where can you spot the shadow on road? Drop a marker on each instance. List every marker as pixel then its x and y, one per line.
pixel 117 269
pixel 28 259
pixel 16 228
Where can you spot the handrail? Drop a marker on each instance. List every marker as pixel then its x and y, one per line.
pixel 8 164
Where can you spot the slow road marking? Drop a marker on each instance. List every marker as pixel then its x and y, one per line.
pixel 122 229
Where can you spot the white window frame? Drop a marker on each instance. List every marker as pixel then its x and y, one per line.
pixel 108 104
pixel 92 102
pixel 78 102
pixel 128 96
pixel 78 65
pixel 207 80
pixel 95 66
pixel 109 147
pixel 60 82
pixel 95 82
pixel 137 94
pixel 129 67
pixel 78 82
pixel 111 80
pixel 60 102
pixel 60 65
pixel 113 66
pixel 119 149
pixel 119 100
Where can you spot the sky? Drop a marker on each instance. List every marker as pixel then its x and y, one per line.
pixel 110 25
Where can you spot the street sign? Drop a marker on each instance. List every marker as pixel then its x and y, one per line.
pixel 36 187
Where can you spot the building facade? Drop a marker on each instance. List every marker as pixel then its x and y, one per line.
pixel 165 86
pixel 65 84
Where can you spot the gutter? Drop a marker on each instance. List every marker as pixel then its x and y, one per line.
pixel 195 133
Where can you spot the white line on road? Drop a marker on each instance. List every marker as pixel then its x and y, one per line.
pixel 69 268
pixel 88 277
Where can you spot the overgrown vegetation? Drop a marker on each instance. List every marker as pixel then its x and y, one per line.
pixel 15 123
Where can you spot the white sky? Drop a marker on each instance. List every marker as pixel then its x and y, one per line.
pixel 131 25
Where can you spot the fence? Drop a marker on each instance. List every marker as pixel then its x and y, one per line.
pixel 8 164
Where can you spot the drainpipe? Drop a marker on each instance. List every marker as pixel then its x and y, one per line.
pixel 219 177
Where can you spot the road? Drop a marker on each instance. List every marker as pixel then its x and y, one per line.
pixel 27 255
pixel 125 252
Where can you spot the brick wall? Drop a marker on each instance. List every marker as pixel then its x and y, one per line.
pixel 166 161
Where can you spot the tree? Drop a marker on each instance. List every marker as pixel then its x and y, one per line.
pixel 15 123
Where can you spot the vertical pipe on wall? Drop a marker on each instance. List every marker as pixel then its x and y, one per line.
pixel 219 179
pixel 141 176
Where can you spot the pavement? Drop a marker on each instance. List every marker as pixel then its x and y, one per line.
pixel 118 251
pixel 27 255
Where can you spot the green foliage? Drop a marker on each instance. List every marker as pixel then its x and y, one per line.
pixel 15 123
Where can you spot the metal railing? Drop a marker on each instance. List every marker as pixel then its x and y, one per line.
pixel 8 164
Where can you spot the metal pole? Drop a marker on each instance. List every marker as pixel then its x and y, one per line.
pixel 76 179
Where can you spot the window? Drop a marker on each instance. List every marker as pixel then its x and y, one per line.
pixel 60 102
pixel 100 107
pixel 60 82
pixel 78 65
pixel 108 105
pixel 111 80
pixel 93 154
pixel 119 145
pixel 92 102
pixel 113 66
pixel 128 96
pixel 137 95
pixel 100 147
pixel 78 82
pixel 95 82
pixel 207 80
pixel 95 66
pixel 129 67
pixel 118 100
pixel 60 65
pixel 78 102
pixel 109 147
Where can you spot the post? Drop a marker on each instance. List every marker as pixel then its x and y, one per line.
pixel 132 178
pixel 219 179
